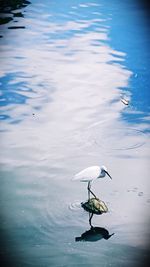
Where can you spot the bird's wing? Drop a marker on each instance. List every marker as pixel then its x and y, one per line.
pixel 88 174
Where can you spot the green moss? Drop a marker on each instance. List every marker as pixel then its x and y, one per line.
pixel 95 206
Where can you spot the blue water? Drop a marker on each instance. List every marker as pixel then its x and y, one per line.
pixel 64 69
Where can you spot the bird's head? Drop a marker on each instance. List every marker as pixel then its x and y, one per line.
pixel 105 172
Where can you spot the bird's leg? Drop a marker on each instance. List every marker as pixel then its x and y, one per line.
pixel 89 190
pixel 90 218
pixel 93 194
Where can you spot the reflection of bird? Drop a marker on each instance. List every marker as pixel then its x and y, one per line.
pixel 90 174
pixel 94 234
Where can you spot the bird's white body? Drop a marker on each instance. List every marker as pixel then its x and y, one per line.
pixel 89 174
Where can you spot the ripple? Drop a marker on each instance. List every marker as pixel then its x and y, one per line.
pixel 140 194
pixel 75 206
pixel 112 138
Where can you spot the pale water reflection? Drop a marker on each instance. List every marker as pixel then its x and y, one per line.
pixel 62 77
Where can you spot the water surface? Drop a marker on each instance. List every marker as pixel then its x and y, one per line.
pixel 64 69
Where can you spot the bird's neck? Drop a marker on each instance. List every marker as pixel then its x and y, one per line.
pixel 102 174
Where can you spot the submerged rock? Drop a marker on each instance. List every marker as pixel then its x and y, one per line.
pixel 95 206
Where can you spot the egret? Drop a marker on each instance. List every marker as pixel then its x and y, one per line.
pixel 90 174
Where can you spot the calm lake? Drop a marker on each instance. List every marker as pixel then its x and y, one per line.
pixel 65 67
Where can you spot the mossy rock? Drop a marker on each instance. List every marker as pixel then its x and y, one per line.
pixel 95 206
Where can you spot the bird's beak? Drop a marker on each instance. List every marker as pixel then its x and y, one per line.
pixel 108 174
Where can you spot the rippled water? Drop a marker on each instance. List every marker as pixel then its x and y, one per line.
pixel 64 69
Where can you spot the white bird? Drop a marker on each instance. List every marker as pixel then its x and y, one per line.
pixel 90 174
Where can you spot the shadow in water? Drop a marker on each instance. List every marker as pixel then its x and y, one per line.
pixel 8 10
pixel 10 5
pixel 94 233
